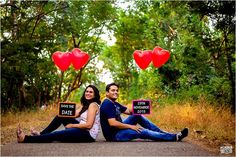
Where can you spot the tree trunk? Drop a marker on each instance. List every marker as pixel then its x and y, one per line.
pixel 39 99
pixel 230 72
pixel 75 85
pixel 231 78
pixel 14 19
pixel 9 93
pixel 21 95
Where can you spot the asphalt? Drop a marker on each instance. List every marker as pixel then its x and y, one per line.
pixel 103 148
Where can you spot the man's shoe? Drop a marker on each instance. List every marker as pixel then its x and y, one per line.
pixel 182 134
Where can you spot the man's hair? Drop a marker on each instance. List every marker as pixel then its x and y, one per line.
pixel 111 84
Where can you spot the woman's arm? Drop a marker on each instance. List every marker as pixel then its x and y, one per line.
pixel 78 111
pixel 92 110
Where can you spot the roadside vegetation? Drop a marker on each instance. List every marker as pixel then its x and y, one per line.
pixel 210 126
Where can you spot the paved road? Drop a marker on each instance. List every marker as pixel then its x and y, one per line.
pixel 102 148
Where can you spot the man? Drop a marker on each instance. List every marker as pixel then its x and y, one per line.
pixel 114 129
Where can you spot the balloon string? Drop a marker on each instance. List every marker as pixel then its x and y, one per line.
pixel 60 85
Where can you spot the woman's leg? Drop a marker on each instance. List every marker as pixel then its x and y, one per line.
pixel 56 122
pixel 67 135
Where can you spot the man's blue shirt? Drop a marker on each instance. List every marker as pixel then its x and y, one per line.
pixel 110 109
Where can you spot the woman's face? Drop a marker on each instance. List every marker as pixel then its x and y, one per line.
pixel 89 93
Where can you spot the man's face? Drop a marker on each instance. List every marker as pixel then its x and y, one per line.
pixel 113 93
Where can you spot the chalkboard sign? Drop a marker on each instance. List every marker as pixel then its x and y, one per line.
pixel 141 107
pixel 67 109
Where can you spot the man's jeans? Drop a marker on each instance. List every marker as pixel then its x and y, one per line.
pixel 149 131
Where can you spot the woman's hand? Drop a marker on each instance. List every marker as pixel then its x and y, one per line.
pixel 70 126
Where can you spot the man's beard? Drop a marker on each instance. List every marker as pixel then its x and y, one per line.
pixel 113 99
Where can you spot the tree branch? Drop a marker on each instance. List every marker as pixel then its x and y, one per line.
pixel 9 4
pixel 40 15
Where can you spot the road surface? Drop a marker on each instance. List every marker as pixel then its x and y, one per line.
pixel 103 148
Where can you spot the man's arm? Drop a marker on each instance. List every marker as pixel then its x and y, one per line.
pixel 113 122
pixel 128 111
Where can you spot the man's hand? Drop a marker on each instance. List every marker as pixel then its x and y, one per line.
pixel 136 128
pixel 128 111
pixel 114 123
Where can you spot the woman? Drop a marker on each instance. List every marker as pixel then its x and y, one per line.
pixel 84 128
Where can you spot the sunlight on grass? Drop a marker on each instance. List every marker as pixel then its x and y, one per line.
pixel 206 122
pixel 36 119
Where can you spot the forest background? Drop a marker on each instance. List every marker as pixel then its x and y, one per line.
pixel 200 36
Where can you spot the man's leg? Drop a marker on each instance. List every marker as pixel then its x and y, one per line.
pixel 144 122
pixel 129 134
pixel 56 122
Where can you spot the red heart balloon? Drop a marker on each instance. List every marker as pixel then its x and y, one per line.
pixel 79 58
pixel 160 56
pixel 142 59
pixel 62 60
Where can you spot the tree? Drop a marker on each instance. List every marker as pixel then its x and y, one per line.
pixel 221 14
pixel 32 31
pixel 187 34
pixel 24 39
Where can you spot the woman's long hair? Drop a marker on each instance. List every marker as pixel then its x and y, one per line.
pixel 85 103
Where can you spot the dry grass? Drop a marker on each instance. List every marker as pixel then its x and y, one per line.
pixel 209 126
pixel 36 119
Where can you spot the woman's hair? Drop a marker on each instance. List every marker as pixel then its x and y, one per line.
pixel 111 84
pixel 85 103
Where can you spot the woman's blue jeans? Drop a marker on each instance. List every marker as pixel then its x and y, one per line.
pixel 67 135
pixel 149 131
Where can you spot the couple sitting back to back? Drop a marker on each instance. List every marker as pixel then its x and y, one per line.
pixel 85 127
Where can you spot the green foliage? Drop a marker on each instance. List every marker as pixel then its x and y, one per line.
pixel 199 35
pixel 198 63
pixel 31 32
pixel 219 88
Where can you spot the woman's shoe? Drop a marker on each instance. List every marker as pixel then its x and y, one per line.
pixel 34 132
pixel 20 135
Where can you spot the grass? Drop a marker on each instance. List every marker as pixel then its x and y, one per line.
pixel 36 119
pixel 210 126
